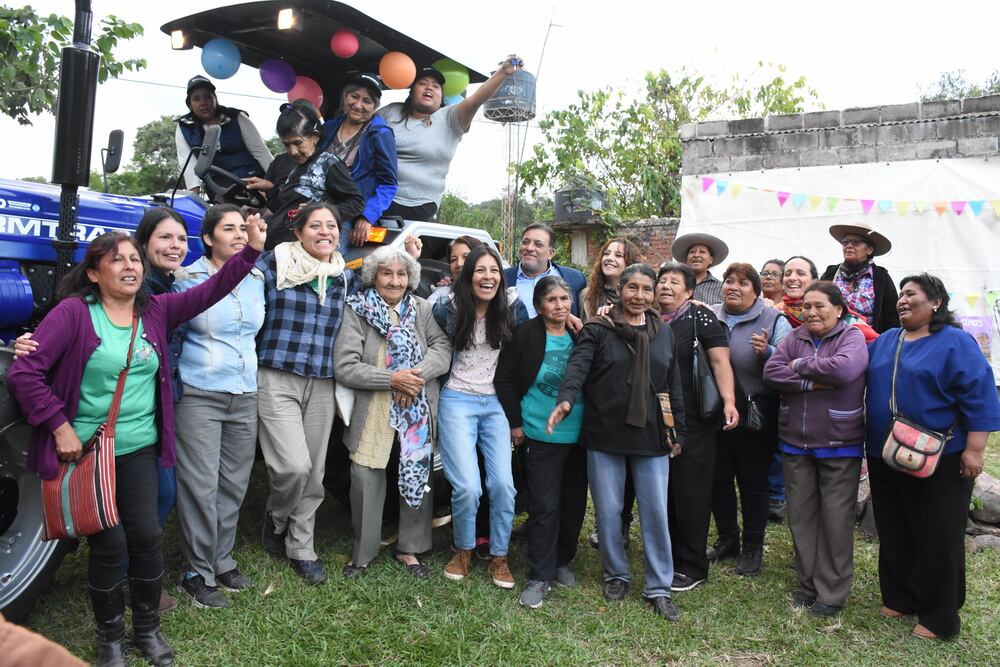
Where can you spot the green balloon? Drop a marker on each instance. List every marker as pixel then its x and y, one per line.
pixel 456 76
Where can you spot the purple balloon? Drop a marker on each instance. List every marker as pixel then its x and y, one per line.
pixel 277 75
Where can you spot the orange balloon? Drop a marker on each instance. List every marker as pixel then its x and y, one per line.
pixel 397 70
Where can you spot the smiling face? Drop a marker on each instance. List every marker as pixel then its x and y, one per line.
pixel 536 252
pixel 203 104
pixel 228 237
pixel 167 246
pixel 119 274
pixel 819 315
pixel 699 257
pixel 671 292
pixel 856 249
pixel 456 258
pixel 798 275
pixel 737 293
pixel 613 262
pixel 637 295
pixel 391 281
pixel 426 95
pixel 300 148
pixel 359 105
pixel 914 308
pixel 770 280
pixel 319 235
pixel 555 307
pixel 485 279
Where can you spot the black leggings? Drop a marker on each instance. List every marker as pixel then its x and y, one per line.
pixel 139 531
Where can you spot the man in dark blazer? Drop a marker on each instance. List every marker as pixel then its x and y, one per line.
pixel 538 247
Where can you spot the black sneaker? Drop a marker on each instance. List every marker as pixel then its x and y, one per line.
pixel 615 590
pixel 271 540
pixel 824 610
pixel 682 582
pixel 592 538
pixel 803 599
pixel 724 547
pixel 204 596
pixel 750 562
pixel 664 608
pixel 310 570
pixel 234 580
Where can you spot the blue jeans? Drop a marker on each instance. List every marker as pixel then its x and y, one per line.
pixel 776 479
pixel 650 475
pixel 166 495
pixel 346 228
pixel 465 422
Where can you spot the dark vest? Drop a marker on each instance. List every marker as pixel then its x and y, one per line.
pixel 232 155
pixel 748 367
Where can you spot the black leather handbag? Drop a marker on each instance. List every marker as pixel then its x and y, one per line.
pixel 705 388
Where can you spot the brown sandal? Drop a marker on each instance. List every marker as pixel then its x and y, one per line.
pixel 923 633
pixel 891 613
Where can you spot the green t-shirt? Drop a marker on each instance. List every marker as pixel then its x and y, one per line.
pixel 136 427
pixel 538 402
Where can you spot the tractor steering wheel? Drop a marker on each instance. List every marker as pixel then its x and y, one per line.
pixel 236 191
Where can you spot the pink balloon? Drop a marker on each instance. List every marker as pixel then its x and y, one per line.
pixel 344 43
pixel 306 88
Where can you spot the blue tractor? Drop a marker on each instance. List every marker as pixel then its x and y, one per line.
pixel 44 229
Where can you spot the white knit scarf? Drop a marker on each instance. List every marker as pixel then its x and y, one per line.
pixel 295 267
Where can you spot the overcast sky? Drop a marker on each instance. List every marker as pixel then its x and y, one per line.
pixel 853 53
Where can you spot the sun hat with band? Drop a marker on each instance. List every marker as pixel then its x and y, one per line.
pixel 880 244
pixel 682 244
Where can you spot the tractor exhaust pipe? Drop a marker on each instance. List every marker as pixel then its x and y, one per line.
pixel 74 132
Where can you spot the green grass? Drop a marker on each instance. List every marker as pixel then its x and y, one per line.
pixel 389 617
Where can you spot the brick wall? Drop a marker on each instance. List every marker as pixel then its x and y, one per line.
pixel 654 237
pixel 915 131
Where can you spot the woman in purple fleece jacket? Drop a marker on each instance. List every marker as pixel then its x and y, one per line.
pixel 820 371
pixel 65 389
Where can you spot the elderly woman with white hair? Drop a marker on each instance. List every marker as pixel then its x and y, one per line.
pixel 390 350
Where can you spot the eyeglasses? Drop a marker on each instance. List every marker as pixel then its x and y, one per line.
pixel 770 274
pixel 854 242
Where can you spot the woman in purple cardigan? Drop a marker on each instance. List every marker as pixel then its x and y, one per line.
pixel 65 389
pixel 820 371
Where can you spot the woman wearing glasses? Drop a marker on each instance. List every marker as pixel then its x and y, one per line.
pixel 867 288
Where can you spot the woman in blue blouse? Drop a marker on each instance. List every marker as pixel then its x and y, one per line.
pixel 943 382
pixel 216 417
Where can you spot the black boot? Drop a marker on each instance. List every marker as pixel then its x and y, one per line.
pixel 146 621
pixel 727 546
pixel 750 561
pixel 109 612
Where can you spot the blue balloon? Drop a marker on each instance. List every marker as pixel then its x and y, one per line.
pixel 454 99
pixel 220 58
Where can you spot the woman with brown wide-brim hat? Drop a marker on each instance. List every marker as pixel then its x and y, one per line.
pixel 867 288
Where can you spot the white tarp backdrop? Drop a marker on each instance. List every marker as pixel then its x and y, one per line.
pixel 941 216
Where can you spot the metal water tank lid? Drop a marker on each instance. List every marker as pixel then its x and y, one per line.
pixel 514 101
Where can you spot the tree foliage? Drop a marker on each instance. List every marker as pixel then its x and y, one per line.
pixel 30 49
pixel 953 85
pixel 487 215
pixel 630 148
pixel 154 166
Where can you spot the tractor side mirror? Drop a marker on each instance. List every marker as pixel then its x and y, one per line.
pixel 206 155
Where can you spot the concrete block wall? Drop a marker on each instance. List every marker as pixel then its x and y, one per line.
pixel 915 131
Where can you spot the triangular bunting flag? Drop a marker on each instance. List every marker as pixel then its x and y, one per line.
pixel 902 207
pixel 736 189
pixel 958 207
pixel 940 207
pixel 798 200
pixel 814 201
pixel 831 203
pixel 782 198
pixel 706 183
pixel 921 206
pixel 977 207
pixel 995 203
pixel 972 300
pixel 866 205
pixel 884 205
pixel 720 187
